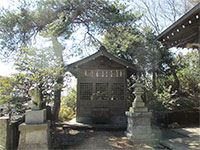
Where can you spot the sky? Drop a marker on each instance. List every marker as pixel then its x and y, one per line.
pixel 6 69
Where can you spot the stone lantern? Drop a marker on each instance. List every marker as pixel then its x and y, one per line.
pixel 139 119
pixel 138 105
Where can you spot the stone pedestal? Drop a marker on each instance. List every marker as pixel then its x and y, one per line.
pixel 4 122
pixel 34 133
pixel 36 116
pixel 139 128
pixel 34 136
pixel 139 120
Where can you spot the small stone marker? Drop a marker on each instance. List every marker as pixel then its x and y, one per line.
pixel 139 124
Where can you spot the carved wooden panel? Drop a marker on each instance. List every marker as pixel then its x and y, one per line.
pixel 101 91
pixel 116 73
pixel 86 91
pixel 103 73
pixel 117 91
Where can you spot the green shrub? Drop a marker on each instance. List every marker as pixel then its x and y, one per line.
pixel 66 113
pixel 68 105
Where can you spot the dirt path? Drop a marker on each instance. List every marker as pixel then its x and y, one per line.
pixel 76 139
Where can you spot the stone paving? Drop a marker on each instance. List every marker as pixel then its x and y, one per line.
pixel 181 138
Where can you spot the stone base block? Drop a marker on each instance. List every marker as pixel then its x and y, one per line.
pixel 138 109
pixel 34 136
pixel 115 120
pixel 139 114
pixel 36 116
pixel 145 138
pixel 4 122
pixel 139 128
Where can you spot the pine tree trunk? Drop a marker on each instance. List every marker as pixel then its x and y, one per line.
pixel 199 55
pixel 154 81
pixel 57 98
pixel 58 48
pixel 176 80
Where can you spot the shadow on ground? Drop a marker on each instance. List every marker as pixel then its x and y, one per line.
pixel 92 139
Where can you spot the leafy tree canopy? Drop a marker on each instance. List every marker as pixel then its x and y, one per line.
pixel 137 45
pixel 59 18
pixel 41 67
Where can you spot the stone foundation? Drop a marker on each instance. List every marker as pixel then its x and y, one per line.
pixel 34 133
pixel 139 128
pixel 120 121
pixel 9 133
pixel 34 136
pixel 4 124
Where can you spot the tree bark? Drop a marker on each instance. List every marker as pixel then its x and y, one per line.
pixel 199 55
pixel 176 80
pixel 57 98
pixel 154 80
pixel 58 48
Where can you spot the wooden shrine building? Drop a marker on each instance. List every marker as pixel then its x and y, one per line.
pixel 185 32
pixel 102 87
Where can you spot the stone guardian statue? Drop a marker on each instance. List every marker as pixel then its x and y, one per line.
pixel 36 101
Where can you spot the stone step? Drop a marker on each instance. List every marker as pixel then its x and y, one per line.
pixel 138 109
